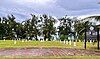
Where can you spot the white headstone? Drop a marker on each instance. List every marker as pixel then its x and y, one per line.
pixel 43 40
pixel 46 39
pixel 66 42
pixel 22 40
pixel 4 39
pixel 29 40
pixel 79 40
pixel 70 42
pixel 26 40
pixel 40 40
pixel 14 42
pixel 74 43
pixel 90 41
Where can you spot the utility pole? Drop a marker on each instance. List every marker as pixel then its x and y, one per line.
pixel 98 38
pixel 85 39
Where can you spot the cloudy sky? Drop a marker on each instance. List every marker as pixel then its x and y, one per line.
pixel 23 8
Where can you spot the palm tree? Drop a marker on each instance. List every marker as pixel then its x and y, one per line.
pixel 97 27
pixel 80 27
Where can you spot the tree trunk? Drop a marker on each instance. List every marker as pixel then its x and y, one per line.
pixel 45 37
pixel 98 38
pixel 36 38
pixel 49 38
pixel 85 39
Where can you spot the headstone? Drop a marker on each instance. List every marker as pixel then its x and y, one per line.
pixel 19 38
pixel 79 40
pixel 90 41
pixel 25 40
pixel 74 43
pixel 29 40
pixel 70 42
pixel 46 39
pixel 14 42
pixel 66 42
pixel 41 40
pixel 4 39
pixel 22 40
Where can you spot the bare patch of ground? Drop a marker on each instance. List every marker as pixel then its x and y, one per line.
pixel 47 52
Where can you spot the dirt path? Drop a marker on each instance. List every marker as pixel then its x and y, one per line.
pixel 47 52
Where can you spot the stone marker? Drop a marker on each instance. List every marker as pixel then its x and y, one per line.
pixel 25 40
pixel 46 39
pixel 74 43
pixel 4 40
pixel 90 41
pixel 64 42
pixel 67 42
pixel 70 42
pixel 29 40
pixel 15 42
pixel 22 40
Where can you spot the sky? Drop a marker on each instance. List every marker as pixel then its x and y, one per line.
pixel 22 9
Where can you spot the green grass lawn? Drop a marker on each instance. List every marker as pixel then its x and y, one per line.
pixel 45 44
pixel 20 44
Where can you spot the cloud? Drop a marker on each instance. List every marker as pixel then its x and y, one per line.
pixel 83 12
pixel 78 4
pixel 23 8
pixel 38 2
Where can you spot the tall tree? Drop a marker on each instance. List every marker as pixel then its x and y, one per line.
pixel 11 26
pixel 64 28
pixel 48 27
pixel 34 26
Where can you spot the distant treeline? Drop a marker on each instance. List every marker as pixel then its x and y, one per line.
pixel 42 27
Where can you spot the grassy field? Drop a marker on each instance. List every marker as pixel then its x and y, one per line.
pixel 45 44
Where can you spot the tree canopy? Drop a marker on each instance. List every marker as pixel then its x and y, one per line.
pixel 42 27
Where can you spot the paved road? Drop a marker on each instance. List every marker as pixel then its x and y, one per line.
pixel 47 52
